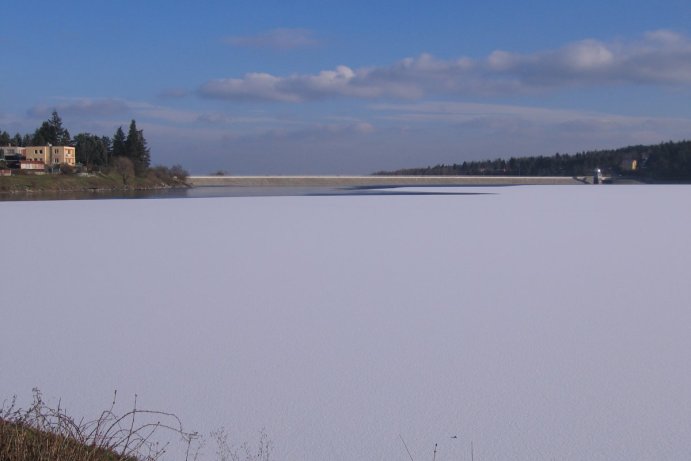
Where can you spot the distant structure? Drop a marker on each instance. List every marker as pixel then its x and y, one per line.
pixel 11 151
pixel 51 155
pixel 629 164
pixel 597 176
pixel 36 159
pixel 32 166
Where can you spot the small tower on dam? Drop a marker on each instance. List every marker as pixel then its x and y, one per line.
pixel 597 176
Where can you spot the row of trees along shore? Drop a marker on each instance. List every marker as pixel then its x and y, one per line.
pixel 96 153
pixel 669 161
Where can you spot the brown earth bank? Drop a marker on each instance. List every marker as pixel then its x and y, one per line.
pixel 20 442
pixel 83 183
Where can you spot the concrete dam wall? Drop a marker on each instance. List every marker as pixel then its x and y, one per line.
pixel 354 181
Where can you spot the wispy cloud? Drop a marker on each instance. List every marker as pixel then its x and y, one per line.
pixel 460 112
pixel 658 58
pixel 214 119
pixel 276 39
pixel 506 127
pixel 173 93
pixel 318 131
pixel 86 108
pixel 82 106
pixel 95 113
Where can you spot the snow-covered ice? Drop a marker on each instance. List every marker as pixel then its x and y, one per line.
pixel 537 322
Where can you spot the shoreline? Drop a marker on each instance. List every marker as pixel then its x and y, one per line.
pixel 70 184
pixel 71 187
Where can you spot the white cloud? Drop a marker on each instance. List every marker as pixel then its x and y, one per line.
pixel 587 55
pixel 500 61
pixel 277 39
pixel 659 58
pixel 342 81
pixel 251 86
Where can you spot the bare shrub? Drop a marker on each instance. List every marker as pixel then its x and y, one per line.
pixel 227 452
pixel 124 168
pixel 66 169
pixel 176 174
pixel 41 432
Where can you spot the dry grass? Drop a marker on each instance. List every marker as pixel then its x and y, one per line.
pixel 43 433
pixel 157 178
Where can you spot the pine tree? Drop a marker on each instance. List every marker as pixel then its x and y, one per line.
pixel 132 141
pixel 4 138
pixel 137 150
pixel 62 136
pixel 144 158
pixel 52 132
pixel 92 150
pixel 118 145
pixel 38 139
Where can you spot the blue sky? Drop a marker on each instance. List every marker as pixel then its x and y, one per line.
pixel 280 87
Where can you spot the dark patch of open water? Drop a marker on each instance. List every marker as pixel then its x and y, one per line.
pixel 236 191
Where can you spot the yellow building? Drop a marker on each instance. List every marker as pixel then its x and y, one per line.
pixel 37 153
pixel 52 155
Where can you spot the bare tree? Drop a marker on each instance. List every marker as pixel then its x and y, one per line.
pixel 124 168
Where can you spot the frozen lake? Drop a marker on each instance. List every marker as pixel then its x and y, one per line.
pixel 538 322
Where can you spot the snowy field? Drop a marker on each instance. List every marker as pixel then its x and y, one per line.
pixel 538 322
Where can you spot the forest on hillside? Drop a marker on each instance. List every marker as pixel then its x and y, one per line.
pixel 669 161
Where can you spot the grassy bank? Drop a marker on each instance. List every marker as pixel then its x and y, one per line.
pixel 43 432
pixel 95 182
pixel 19 442
pixel 47 433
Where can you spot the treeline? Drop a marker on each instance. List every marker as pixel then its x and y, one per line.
pixel 50 132
pixel 666 161
pixel 120 152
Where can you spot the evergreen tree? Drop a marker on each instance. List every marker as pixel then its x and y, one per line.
pixel 38 139
pixel 92 150
pixel 52 132
pixel 4 138
pixel 62 136
pixel 118 144
pixel 131 143
pixel 109 147
pixel 137 150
